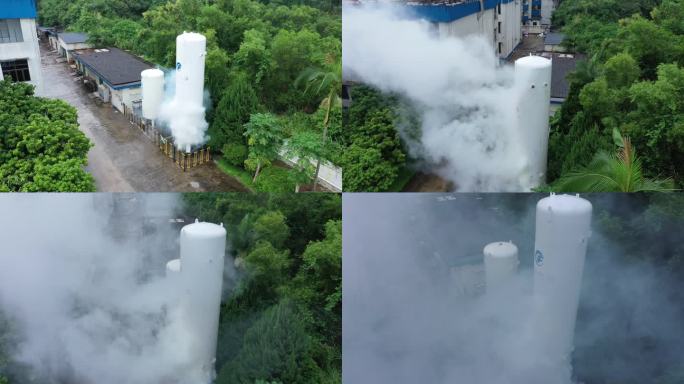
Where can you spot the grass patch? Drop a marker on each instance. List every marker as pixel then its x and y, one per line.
pixel 403 177
pixel 271 179
pixel 244 176
pixel 274 179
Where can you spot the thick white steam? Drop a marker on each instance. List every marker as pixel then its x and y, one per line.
pixel 186 121
pixel 466 100
pixel 86 290
pixel 406 321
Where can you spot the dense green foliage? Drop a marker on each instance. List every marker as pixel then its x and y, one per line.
pixel 41 147
pixel 238 102
pixel 264 138
pixel 608 172
pixel 374 152
pixel 633 80
pixel 256 50
pixel 283 321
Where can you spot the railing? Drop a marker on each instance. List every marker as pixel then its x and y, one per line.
pixel 182 159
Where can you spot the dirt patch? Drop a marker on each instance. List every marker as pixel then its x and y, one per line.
pixel 427 182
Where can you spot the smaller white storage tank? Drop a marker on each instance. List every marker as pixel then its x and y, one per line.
pixel 173 268
pixel 203 247
pixel 501 264
pixel 533 81
pixel 152 82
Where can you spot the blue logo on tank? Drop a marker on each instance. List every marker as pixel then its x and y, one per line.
pixel 178 65
pixel 538 258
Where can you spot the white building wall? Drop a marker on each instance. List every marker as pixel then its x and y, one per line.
pixel 28 49
pixel 127 97
pixel 54 42
pixel 487 24
pixel 66 49
pixel 512 16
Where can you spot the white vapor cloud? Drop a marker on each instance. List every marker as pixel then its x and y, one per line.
pixel 467 102
pixel 85 289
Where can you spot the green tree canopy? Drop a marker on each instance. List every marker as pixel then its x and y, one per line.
pixel 41 146
pixel 264 138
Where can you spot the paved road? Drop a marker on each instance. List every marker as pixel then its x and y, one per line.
pixel 123 159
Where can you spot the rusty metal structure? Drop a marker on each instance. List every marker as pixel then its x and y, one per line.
pixel 184 160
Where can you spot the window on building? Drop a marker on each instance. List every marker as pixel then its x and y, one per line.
pixel 498 8
pixel 18 70
pixel 10 31
pixel 499 28
pixel 500 48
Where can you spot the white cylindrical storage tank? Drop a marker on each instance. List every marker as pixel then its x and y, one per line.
pixel 203 248
pixel 501 264
pixel 533 80
pixel 190 57
pixel 152 82
pixel 563 227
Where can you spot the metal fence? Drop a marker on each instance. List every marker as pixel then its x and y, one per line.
pixel 182 159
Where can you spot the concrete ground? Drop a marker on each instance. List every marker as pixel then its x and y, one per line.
pixel 123 159
pixel 530 44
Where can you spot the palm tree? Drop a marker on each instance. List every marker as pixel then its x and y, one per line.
pixel 612 172
pixel 326 82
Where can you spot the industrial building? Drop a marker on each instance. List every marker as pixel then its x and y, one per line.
pixel 497 20
pixel 19 52
pixel 68 42
pixel 536 14
pixel 113 73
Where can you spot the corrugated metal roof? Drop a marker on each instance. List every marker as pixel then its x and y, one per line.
pixel 561 66
pixel 18 9
pixel 73 37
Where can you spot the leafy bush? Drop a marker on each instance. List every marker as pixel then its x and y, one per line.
pixel 41 146
pixel 235 154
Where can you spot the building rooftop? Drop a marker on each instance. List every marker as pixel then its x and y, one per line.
pixel 73 37
pixel 115 66
pixel 562 65
pixel 554 38
pixel 18 9
pixel 446 11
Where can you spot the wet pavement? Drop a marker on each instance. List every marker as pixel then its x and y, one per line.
pixel 123 158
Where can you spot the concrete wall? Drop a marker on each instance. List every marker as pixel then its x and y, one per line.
pixel 329 175
pixel 125 96
pixel 554 48
pixel 28 49
pixel 487 24
pixel 54 42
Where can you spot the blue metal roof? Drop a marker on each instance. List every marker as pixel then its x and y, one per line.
pixel 18 9
pixel 445 13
